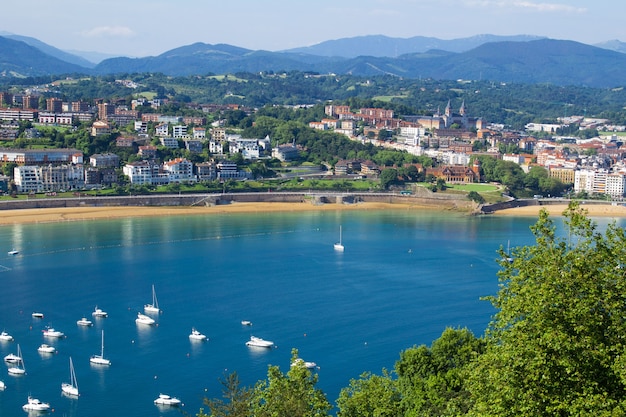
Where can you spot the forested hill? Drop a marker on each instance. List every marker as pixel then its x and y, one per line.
pixel 538 61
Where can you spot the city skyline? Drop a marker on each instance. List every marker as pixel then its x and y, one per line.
pixel 148 28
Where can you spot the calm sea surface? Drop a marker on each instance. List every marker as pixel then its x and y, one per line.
pixel 404 277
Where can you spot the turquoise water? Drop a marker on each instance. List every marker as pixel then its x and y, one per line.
pixel 404 277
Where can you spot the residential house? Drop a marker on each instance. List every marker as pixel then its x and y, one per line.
pixel 162 130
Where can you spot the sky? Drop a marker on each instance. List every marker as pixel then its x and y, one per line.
pixel 139 28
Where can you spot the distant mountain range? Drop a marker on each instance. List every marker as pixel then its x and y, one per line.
pixel 520 59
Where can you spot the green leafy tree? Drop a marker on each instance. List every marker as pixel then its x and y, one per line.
pixel 236 400
pixel 292 394
pixel 388 176
pixel 370 396
pixel 476 197
pixel 433 381
pixel 556 345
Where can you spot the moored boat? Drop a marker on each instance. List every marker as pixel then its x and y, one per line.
pixel 51 332
pixel 98 312
pixel 84 322
pixel 165 399
pixel 34 404
pixel 143 319
pixel 5 337
pixel 46 348
pixel 196 335
pixel 258 342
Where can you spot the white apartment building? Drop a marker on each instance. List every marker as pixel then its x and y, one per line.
pixel 179 170
pixel 616 185
pixel 590 181
pixel 179 131
pixel 32 178
pixel 139 172
pixel 249 148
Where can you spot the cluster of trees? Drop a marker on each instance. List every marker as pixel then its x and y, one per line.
pixel 512 104
pixel 555 346
pixel 519 183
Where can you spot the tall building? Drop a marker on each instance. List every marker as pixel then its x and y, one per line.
pixel 54 105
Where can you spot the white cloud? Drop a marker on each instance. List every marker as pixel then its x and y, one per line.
pixel 528 5
pixel 109 31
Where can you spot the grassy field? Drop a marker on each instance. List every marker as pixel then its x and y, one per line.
pixel 479 188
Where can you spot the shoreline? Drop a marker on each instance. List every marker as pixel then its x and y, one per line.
pixel 88 213
pixel 70 214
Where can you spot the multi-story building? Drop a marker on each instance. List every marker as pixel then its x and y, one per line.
pixel 35 178
pixel 40 156
pixel 616 185
pixel 104 160
pixel 179 170
pixel 179 131
pixel 9 114
pixel 206 171
pixel 100 128
pixel 171 143
pixel 140 172
pixel 54 105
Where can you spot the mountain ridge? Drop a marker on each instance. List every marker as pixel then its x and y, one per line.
pixel 521 58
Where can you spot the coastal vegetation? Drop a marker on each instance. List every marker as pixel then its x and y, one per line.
pixel 554 347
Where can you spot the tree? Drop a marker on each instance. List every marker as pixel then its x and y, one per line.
pixel 292 394
pixel 388 177
pixel 556 345
pixel 476 197
pixel 236 402
pixel 370 396
pixel 433 381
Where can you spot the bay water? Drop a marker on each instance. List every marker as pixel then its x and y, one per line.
pixel 404 277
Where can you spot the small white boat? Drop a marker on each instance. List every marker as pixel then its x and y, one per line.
pixel 165 399
pixel 301 362
pixel 46 348
pixel 2 386
pixel 258 342
pixel 196 335
pixel 70 388
pixel 37 315
pixel 18 367
pixel 154 307
pixel 5 337
pixel 12 358
pixel 143 319
pixel 51 332
pixel 13 252
pixel 84 322
pixel 246 323
pixel 35 405
pixel 99 359
pixel 339 246
pixel 98 312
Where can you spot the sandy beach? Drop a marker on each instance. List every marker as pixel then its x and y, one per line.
pixel 594 210
pixel 47 215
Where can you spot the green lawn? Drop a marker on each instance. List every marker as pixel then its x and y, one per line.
pixel 480 188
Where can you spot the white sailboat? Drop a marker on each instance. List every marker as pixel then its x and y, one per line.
pixel 154 307
pixel 99 359
pixel 339 245
pixel 18 367
pixel 70 388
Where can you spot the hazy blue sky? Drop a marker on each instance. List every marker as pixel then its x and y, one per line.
pixel 150 27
